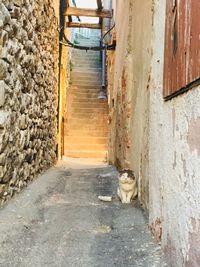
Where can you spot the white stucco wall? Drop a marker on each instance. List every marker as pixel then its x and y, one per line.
pixel 174 150
pixel 165 136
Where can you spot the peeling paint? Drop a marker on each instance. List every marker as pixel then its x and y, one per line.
pixel 194 244
pixel 193 137
pixel 162 137
pixel 156 228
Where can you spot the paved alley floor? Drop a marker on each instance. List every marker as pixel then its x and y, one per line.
pixel 58 221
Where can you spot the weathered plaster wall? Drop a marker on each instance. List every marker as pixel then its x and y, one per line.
pixel 163 136
pixel 130 93
pixel 28 91
pixel 115 70
pixel 174 159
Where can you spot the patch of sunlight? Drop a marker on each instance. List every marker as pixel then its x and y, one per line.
pixel 85 4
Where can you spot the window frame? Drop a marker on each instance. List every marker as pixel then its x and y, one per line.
pixel 181 65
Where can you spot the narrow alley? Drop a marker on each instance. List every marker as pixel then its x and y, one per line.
pixel 59 221
pixel 99 133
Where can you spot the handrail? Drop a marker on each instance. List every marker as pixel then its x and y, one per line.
pixel 93 48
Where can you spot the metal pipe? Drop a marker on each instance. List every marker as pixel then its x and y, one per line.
pixel 104 68
pixel 102 93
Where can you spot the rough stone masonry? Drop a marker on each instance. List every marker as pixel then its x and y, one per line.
pixel 28 91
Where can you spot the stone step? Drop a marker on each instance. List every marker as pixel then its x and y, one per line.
pixel 77 104
pixel 83 53
pixel 81 118
pixel 86 88
pixel 90 66
pixel 85 95
pixel 87 127
pixel 86 146
pixel 86 84
pixel 88 78
pixel 84 60
pixel 86 140
pixel 85 74
pixel 88 116
pixel 83 87
pixel 73 125
pixel 86 64
pixel 89 110
pixel 87 69
pixel 89 100
pixel 87 133
pixel 85 154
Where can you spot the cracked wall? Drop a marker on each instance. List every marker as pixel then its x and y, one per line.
pixel 129 94
pixel 164 135
pixel 28 91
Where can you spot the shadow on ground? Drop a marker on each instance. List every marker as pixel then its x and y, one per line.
pixel 58 221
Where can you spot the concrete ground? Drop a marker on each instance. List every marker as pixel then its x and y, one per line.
pixel 58 221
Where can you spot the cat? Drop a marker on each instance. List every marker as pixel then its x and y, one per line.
pixel 127 189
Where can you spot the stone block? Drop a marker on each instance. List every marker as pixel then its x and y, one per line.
pixel 2 171
pixel 3 38
pixel 4 118
pixel 2 93
pixel 3 69
pixel 2 189
pixel 4 15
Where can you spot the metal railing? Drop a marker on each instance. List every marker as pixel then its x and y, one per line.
pixel 103 47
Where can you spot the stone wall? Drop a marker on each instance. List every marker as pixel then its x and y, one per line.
pixel 28 91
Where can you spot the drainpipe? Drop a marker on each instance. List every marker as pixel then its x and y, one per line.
pixel 102 93
pixel 105 28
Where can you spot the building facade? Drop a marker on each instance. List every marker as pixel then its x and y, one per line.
pixel 154 131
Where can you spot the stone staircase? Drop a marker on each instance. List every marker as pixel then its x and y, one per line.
pixel 86 127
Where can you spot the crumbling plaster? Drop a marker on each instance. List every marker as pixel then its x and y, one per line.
pixel 164 135
pixel 174 156
pixel 130 111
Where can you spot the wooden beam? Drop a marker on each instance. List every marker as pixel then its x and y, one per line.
pixel 100 7
pixel 70 18
pixel 83 25
pixel 99 4
pixel 87 12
